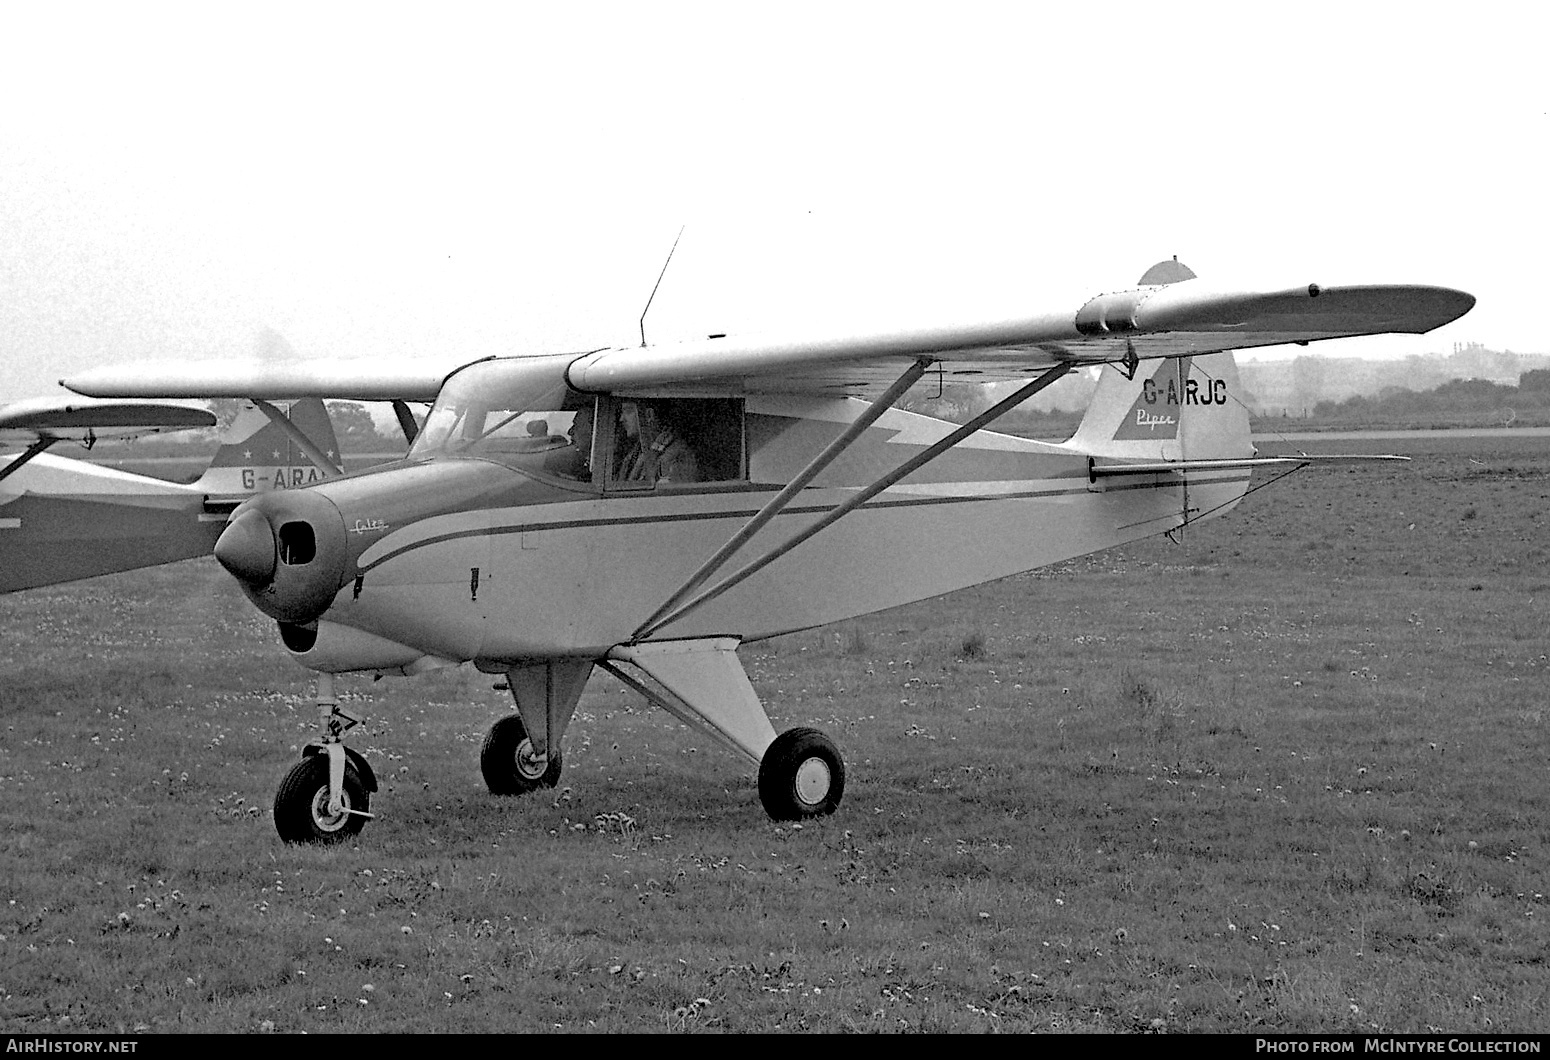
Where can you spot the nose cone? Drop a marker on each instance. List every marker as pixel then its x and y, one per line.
pixel 247 548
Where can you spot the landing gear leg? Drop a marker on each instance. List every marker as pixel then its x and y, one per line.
pixel 509 763
pixel 702 683
pixel 522 750
pixel 327 795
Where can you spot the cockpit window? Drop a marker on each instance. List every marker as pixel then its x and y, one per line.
pixel 517 411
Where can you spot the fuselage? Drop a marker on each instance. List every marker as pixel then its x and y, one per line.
pixel 457 558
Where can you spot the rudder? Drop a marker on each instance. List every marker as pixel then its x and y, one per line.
pixel 1184 408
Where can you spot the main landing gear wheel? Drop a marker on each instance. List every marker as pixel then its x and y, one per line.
pixel 301 805
pixel 801 775
pixel 508 763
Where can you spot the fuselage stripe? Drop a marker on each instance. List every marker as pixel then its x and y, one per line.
pixel 748 513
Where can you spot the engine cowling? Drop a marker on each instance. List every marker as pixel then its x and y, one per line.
pixel 289 553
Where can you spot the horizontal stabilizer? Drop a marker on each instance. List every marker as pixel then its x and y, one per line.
pixel 1097 471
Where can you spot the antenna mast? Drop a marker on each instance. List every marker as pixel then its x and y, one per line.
pixel 661 274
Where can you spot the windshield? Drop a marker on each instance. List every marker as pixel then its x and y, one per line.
pixel 517 411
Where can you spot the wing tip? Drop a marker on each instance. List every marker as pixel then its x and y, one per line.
pixel 1435 306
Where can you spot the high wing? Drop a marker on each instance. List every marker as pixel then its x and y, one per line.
pixel 1163 320
pixel 81 420
pixel 39 423
pixel 1170 314
pixel 357 379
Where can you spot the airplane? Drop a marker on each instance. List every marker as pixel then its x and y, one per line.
pixel 63 518
pixel 647 510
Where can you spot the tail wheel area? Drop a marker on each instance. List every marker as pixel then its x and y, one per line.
pixel 801 775
pixel 301 805
pixel 509 764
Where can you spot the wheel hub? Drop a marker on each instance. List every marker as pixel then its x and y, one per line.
pixel 529 763
pixel 330 822
pixel 813 781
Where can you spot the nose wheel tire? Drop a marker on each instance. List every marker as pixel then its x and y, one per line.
pixel 301 805
pixel 801 775
pixel 508 763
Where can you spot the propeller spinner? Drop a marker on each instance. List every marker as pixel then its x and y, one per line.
pixel 288 551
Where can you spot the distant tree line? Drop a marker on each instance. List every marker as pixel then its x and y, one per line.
pixel 1533 390
pixel 1458 402
pixel 353 425
pixel 1455 403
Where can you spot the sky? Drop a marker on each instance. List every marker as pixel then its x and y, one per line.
pixel 387 180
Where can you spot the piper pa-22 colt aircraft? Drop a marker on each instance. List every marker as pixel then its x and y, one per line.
pixel 63 518
pixel 647 510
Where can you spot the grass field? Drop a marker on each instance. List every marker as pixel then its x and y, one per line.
pixel 1286 775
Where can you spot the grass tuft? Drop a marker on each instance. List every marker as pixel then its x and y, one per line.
pixel 853 640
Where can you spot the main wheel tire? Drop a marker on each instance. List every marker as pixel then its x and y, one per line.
pixel 801 775
pixel 508 764
pixel 301 804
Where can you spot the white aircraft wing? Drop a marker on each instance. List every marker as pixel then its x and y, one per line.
pixel 84 420
pixel 1147 322
pixel 359 379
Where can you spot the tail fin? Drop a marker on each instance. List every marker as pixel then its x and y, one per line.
pixel 1186 408
pixel 1174 441
pixel 256 455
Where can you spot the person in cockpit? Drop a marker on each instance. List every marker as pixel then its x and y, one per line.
pixel 653 451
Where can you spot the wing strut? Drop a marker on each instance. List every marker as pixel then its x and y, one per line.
pixel 299 438
pixel 834 514
pixel 32 450
pixel 778 503
pixel 406 421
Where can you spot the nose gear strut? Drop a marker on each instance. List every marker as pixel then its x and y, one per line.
pixel 326 796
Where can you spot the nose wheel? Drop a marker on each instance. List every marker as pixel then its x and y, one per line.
pixel 301 807
pixel 326 797
pixel 801 775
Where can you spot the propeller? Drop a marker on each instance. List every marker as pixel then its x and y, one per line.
pixel 288 550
